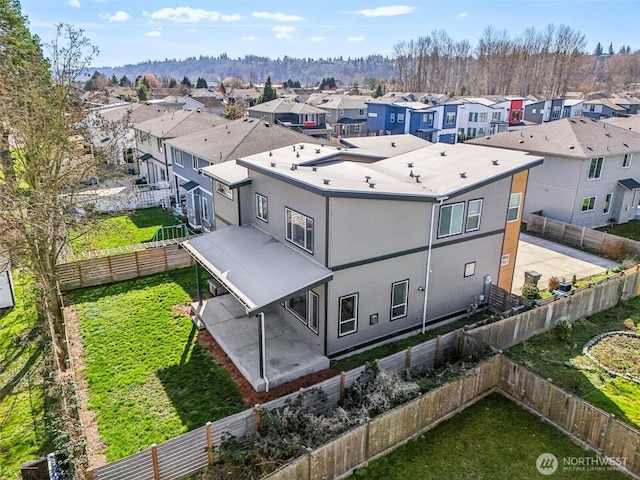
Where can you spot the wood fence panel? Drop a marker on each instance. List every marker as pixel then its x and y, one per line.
pixel 341 455
pixel 295 470
pixel 392 427
pixel 622 441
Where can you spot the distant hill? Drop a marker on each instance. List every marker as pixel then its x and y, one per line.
pixel 255 69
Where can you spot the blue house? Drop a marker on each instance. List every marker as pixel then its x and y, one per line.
pixel 386 117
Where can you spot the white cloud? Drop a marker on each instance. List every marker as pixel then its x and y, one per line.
pixel 317 39
pixel 356 39
pixel 386 11
pixel 283 32
pixel 280 17
pixel 190 15
pixel 74 3
pixel 250 38
pixel 462 14
pixel 153 33
pixel 119 16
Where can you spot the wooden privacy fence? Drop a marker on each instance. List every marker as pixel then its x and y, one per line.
pixel 581 303
pixel 166 255
pixel 582 237
pixel 599 430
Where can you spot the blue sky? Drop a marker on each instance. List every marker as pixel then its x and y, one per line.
pixel 130 31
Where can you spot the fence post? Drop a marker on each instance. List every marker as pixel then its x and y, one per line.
pixel 544 226
pixel 582 236
pixel 408 358
pixel 110 268
pixel 256 415
pixel 90 474
pixel 154 459
pixel 209 444
pixel 166 261
pixel 343 377
pixel 437 355
pixel 301 395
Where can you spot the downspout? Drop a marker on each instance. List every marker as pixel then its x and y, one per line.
pixel 426 280
pixel 262 352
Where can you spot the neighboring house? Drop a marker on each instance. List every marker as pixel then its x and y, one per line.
pixel 551 109
pixel 350 250
pixel 385 116
pixel 192 154
pixel 293 114
pixel 631 122
pixel 478 117
pixel 155 163
pixel 591 172
pixel 600 108
pixel 346 115
pixel 248 95
pixel 629 103
pixel 208 103
pixel 514 107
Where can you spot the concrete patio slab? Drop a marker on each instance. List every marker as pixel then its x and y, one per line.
pixel 288 357
pixel 552 259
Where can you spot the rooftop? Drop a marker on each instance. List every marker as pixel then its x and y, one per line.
pixel 180 122
pixel 282 105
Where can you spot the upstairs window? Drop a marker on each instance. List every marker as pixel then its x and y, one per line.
pixel 401 118
pixel 392 118
pixel 299 229
pixel 495 116
pixel 588 204
pixel 595 169
pixel 474 211
pixel 450 118
pixel 513 213
pixel 483 117
pixel 224 190
pixel 451 217
pixel 262 210
pixel 178 155
pixel 626 160
pixel 160 147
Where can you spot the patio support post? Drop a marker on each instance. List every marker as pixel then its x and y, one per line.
pixel 262 352
pixel 198 285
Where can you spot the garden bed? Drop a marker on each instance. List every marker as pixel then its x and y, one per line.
pixel 616 352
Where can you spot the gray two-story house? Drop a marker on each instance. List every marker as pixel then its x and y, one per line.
pixel 591 171
pixel 293 114
pixel 346 114
pixel 331 250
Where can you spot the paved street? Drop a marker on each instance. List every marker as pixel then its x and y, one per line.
pixel 553 259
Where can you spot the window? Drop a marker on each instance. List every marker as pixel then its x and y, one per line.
pixel 495 116
pixel 392 118
pixel 224 190
pixel 450 219
pixel 361 112
pixel 481 132
pixel 342 112
pixel 451 118
pixel 205 209
pixel 399 297
pixel 356 129
pixel 514 207
pixel 504 261
pixel 592 108
pixel 194 162
pixel 305 308
pixel 299 229
pixel 556 112
pixel 607 203
pixel 483 117
pixel 178 155
pixel 595 169
pixel 626 160
pixel 474 211
pixel 262 210
pixel 348 321
pixel 469 269
pixel 328 113
pixel 471 132
pixel 309 118
pixel 473 116
pixel 314 311
pixel 588 204
pixel 160 145
pixel 401 118
pixel 425 117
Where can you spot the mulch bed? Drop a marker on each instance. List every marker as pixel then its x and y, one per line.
pixel 249 395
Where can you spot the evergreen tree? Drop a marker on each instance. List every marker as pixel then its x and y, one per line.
pixel 201 83
pixel 186 82
pixel 173 83
pixel 125 82
pixel 268 93
pixel 113 80
pixel 598 51
pixel 611 52
pixel 143 93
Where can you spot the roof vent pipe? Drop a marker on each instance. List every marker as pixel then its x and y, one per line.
pixel 443 153
pixel 417 177
pixel 371 185
pixel 463 174
pixel 495 162
pixel 326 181
pixel 273 164
pixel 367 178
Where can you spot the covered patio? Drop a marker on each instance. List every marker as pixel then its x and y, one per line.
pixel 255 331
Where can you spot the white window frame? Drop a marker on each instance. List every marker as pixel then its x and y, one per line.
pixel 356 129
pixel 450 118
pixel 473 117
pixel 452 207
pixel 204 211
pixel 469 269
pixel 588 204
pixel 361 112
pixel 403 303
pixel 425 117
pixel 596 165
pixel 311 317
pixel 401 118
pixel 606 206
pixel 392 118
pixel 290 215
pixel 495 116
pixel 470 215
pixel 224 190
pixel 160 146
pixel 345 321
pixel 514 207
pixel 194 162
pixel 178 156
pixel 626 160
pixel 482 117
pixel 262 208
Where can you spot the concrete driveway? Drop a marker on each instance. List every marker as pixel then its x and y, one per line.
pixel 552 259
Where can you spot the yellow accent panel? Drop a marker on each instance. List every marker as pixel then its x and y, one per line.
pixel 512 233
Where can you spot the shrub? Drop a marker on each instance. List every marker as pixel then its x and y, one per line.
pixel 554 283
pixel 564 330
pixel 629 325
pixel 530 291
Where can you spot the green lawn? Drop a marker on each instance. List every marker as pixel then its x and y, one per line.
pixel 630 230
pixel 121 230
pixel 563 362
pixel 492 439
pixel 148 378
pixel 22 431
